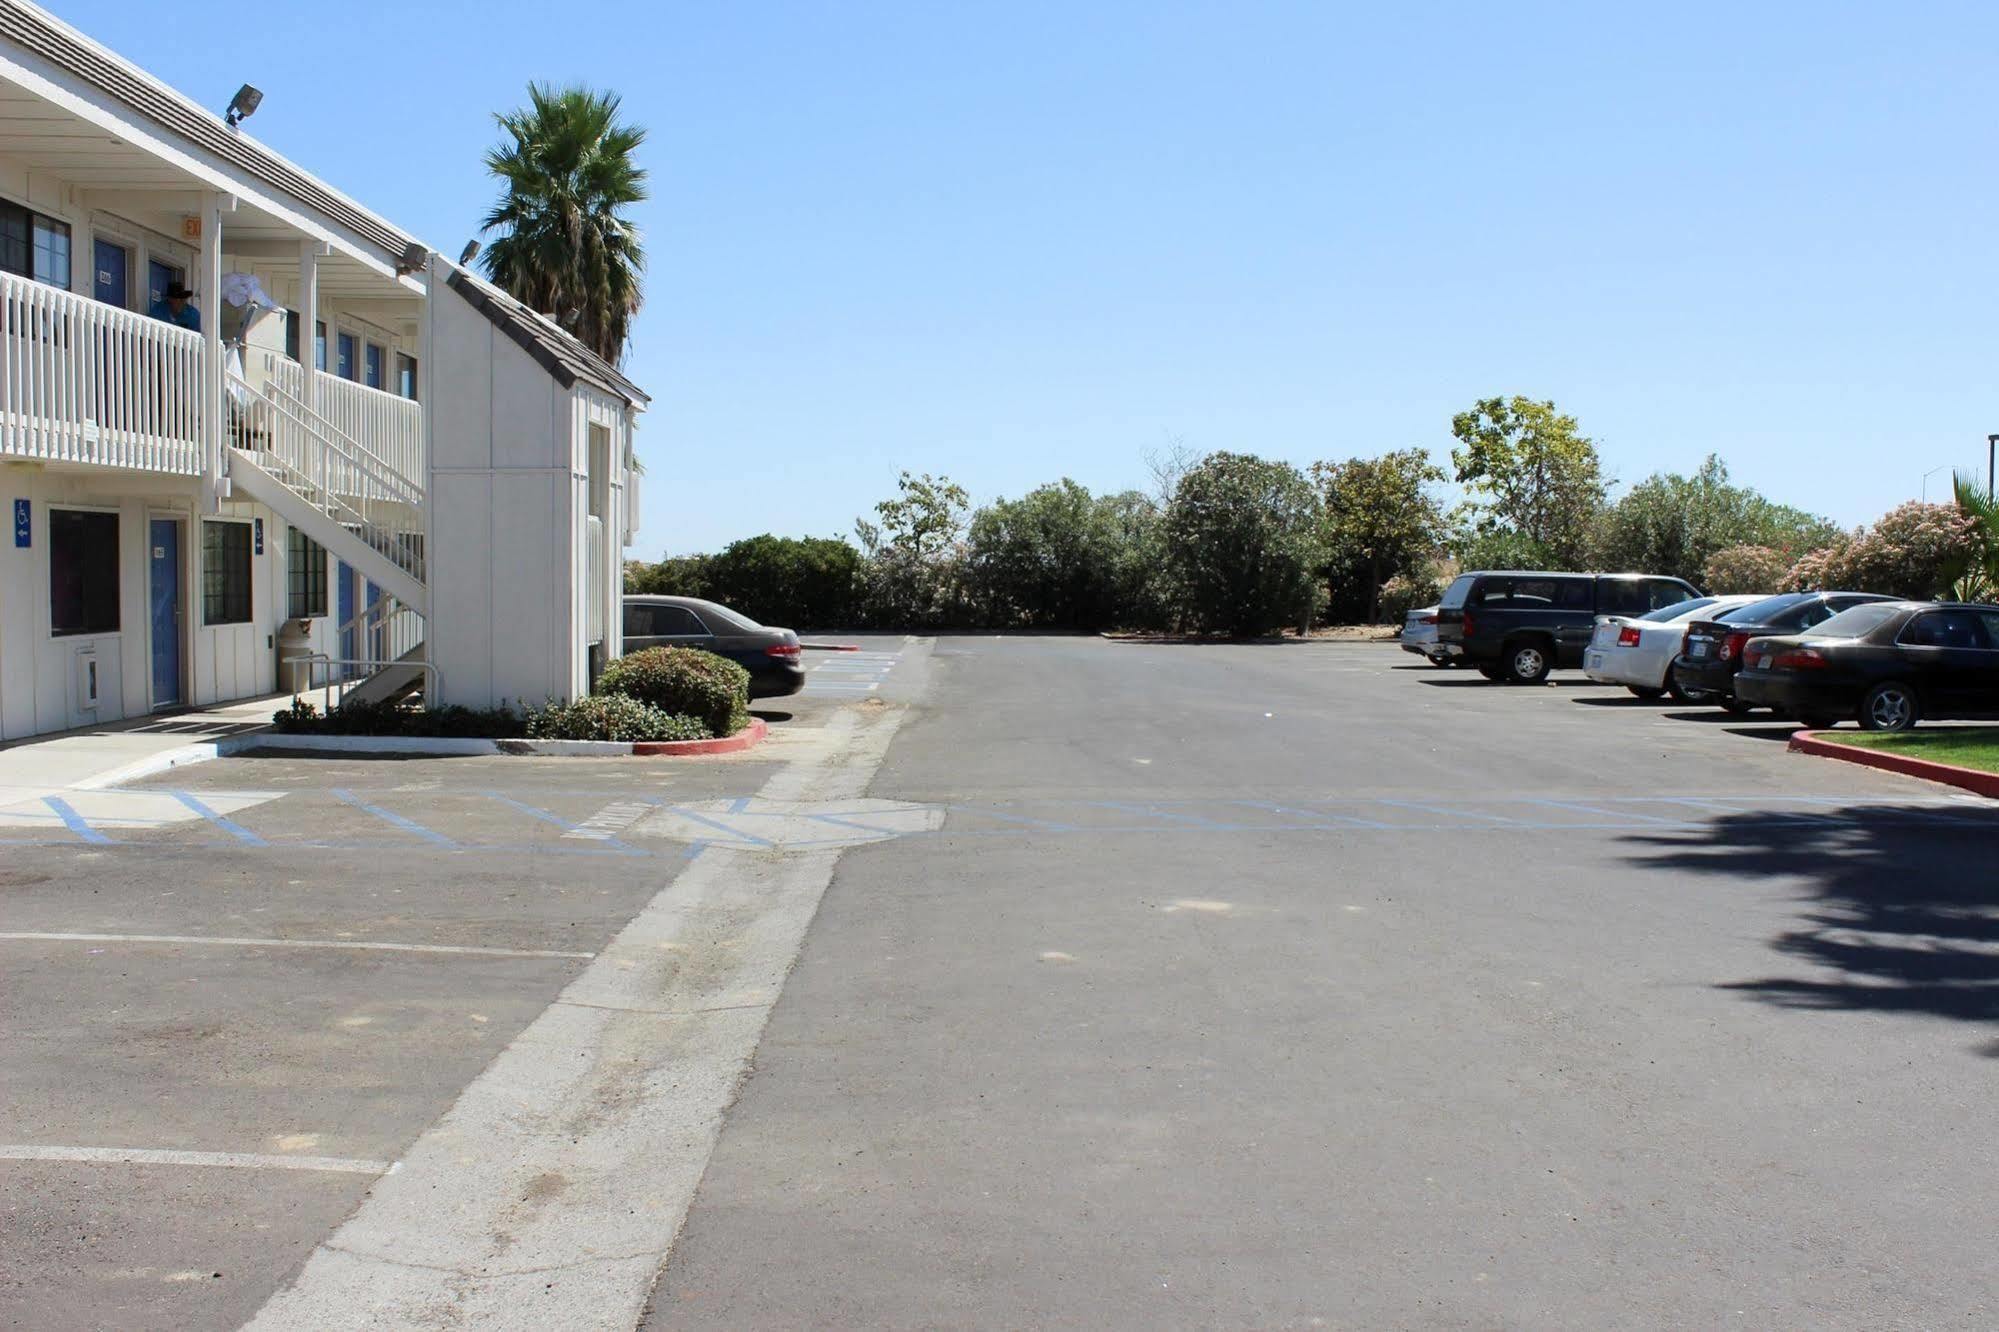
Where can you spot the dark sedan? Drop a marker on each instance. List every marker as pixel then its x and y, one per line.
pixel 1712 653
pixel 771 656
pixel 1889 664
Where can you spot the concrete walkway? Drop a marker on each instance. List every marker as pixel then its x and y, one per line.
pixel 100 756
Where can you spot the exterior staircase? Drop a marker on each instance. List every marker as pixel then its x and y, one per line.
pixel 344 495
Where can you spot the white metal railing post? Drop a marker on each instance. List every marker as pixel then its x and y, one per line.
pixel 212 368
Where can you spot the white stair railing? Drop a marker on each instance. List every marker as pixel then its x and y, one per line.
pixel 86 382
pixel 385 426
pixel 382 631
pixel 332 473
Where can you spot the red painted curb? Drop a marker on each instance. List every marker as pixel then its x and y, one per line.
pixel 753 734
pixel 1971 779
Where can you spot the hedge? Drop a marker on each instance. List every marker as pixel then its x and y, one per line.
pixel 688 681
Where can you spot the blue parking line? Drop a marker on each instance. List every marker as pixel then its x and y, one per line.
pixel 982 811
pixel 1193 820
pixel 230 826
pixel 74 821
pixel 1434 812
pixel 395 820
pixel 735 834
pixel 1607 814
pixel 624 848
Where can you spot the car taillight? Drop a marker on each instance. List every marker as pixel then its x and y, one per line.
pixel 1732 647
pixel 1427 619
pixel 782 650
pixel 1800 659
pixel 1628 636
pixel 1465 625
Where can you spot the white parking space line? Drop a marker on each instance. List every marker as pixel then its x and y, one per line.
pixel 850 674
pixel 359 945
pixel 224 1160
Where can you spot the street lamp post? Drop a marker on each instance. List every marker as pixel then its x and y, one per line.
pixel 1991 456
pixel 1926 481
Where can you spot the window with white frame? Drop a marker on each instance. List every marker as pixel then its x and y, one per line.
pixel 83 572
pixel 305 576
pixel 33 245
pixel 225 572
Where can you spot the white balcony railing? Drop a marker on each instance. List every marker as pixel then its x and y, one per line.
pixel 594 592
pixel 85 382
pixel 388 427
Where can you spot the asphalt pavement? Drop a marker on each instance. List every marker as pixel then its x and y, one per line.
pixel 1129 985
pixel 1305 986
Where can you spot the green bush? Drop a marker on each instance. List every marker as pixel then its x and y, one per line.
pixel 397 719
pixel 1402 594
pixel 610 717
pixel 688 681
pixel 794 582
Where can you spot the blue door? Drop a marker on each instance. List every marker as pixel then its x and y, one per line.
pixel 159 277
pixel 112 281
pixel 164 599
pixel 350 633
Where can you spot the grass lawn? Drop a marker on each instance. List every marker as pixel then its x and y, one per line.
pixel 1966 747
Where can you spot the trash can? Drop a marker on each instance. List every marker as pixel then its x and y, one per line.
pixel 294 640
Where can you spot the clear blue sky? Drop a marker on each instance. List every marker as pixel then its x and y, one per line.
pixel 1016 241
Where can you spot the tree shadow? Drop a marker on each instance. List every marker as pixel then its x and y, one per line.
pixel 1901 912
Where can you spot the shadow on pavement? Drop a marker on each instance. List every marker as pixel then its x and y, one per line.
pixel 1775 731
pixel 1901 909
pixel 1624 700
pixel 1473 680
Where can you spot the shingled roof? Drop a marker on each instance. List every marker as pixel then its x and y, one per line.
pixel 35 30
pixel 551 346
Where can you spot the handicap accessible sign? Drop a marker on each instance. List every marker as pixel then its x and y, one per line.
pixel 23 523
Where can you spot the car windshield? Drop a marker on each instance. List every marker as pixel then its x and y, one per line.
pixel 734 620
pixel 1458 592
pixel 1857 622
pixel 1679 610
pixel 1756 612
pixel 1734 613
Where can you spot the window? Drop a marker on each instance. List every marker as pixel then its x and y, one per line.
pixel 373 359
pixel 406 375
pixel 600 471
pixel 319 344
pixel 1623 596
pixel 1677 610
pixel 225 573
pixel 34 246
pixel 291 334
pixel 649 621
pixel 305 576
pixel 1945 629
pixel 346 367
pixel 83 572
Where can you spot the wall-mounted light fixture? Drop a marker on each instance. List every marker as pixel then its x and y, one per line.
pixel 414 257
pixel 469 253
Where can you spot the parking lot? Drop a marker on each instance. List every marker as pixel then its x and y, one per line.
pixel 1156 944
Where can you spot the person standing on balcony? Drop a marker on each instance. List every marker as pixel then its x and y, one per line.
pixel 173 307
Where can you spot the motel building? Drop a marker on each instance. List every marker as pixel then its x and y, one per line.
pixel 365 454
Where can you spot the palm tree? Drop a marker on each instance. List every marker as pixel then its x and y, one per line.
pixel 1981 581
pixel 568 248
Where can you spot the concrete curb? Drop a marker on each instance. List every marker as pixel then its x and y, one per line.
pixel 753 734
pixel 450 747
pixel 1970 779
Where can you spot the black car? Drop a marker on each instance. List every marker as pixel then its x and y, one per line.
pixel 771 656
pixel 1712 652
pixel 1889 664
pixel 1519 625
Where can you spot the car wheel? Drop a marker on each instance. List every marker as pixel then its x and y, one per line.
pixel 1889 707
pixel 1646 693
pixel 1493 673
pixel 1680 693
pixel 1734 706
pixel 1528 663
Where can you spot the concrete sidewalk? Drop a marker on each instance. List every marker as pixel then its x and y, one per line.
pixel 100 756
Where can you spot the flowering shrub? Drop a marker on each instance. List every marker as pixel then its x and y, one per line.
pixel 1738 569
pixel 1917 550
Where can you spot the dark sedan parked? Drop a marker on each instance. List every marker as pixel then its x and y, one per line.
pixel 1712 653
pixel 772 656
pixel 1888 664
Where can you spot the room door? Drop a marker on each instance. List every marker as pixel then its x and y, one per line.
pixel 163 580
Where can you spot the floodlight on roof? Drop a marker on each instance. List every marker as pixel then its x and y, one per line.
pixel 243 105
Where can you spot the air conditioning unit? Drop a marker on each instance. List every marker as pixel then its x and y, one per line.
pixel 85 709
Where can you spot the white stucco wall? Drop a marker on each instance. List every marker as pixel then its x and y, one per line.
pixel 38 672
pixel 510 494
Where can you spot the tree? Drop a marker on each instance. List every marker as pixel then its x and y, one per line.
pixel 1744 568
pixel 1916 550
pixel 1041 561
pixel 674 576
pixel 1530 471
pixel 568 247
pixel 792 581
pixel 1671 524
pixel 1243 538
pixel 1981 581
pixel 1381 520
pixel 913 574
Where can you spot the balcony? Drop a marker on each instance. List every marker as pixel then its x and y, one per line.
pixel 84 382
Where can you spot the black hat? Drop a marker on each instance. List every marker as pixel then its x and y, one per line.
pixel 176 292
